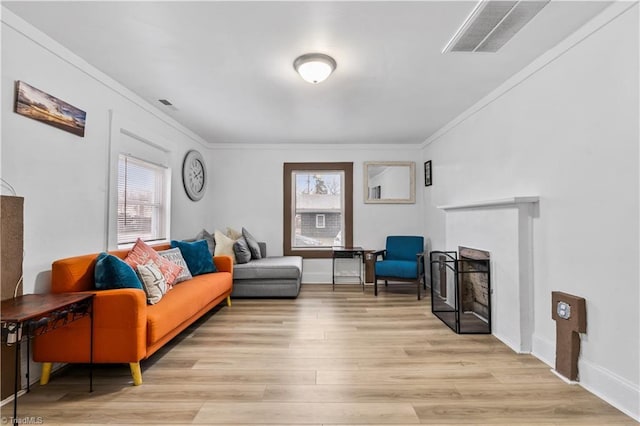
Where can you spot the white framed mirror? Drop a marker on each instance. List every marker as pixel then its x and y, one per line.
pixel 390 182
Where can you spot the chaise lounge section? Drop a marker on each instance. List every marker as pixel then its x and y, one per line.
pixel 275 276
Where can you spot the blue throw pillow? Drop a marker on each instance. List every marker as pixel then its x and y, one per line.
pixel 112 272
pixel 197 255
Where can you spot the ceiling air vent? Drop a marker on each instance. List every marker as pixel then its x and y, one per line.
pixel 168 104
pixel 492 24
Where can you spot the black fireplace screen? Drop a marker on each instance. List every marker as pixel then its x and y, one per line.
pixel 461 290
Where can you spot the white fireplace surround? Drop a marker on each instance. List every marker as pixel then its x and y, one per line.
pixel 503 227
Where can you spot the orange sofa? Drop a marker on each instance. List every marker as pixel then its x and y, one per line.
pixel 126 329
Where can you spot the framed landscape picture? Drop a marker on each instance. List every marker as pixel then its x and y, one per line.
pixel 41 106
pixel 427 173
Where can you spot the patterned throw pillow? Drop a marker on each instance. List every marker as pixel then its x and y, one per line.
pixel 154 283
pixel 224 245
pixel 174 255
pixel 141 253
pixel 111 272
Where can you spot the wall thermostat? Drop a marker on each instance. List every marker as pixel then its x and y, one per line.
pixel 563 309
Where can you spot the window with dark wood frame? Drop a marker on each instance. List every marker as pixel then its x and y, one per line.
pixel 289 225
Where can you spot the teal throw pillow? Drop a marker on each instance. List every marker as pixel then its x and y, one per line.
pixel 196 255
pixel 112 272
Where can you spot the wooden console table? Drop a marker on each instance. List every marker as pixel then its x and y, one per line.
pixel 34 314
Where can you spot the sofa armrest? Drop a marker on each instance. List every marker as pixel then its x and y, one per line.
pixel 120 331
pixel 223 263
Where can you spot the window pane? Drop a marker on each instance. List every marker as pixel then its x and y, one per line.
pixel 318 208
pixel 141 209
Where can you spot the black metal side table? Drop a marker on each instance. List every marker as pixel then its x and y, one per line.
pixel 343 252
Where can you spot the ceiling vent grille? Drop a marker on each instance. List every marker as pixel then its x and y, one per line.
pixel 492 24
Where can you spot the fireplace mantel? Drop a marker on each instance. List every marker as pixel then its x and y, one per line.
pixel 491 203
pixel 503 227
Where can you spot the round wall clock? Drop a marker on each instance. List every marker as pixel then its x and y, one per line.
pixel 194 175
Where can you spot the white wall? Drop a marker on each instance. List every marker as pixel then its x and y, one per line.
pixel 248 184
pixel 62 177
pixel 565 129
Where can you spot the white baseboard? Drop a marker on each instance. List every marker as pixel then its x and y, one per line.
pixel 513 345
pixel 10 398
pixel 609 386
pixel 35 371
pixel 316 278
pixel 544 350
pixel 564 379
pixel 605 384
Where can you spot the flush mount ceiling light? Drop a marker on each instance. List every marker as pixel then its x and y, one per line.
pixel 314 67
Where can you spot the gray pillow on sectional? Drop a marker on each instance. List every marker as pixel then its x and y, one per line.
pixel 252 243
pixel 211 242
pixel 241 249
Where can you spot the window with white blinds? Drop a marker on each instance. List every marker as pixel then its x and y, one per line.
pixel 142 201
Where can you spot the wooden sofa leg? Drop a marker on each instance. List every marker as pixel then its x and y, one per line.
pixel 136 373
pixel 46 373
pixel 229 301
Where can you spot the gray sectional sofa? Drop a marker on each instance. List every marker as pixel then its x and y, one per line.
pixel 276 276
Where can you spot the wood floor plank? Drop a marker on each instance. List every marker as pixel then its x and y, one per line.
pixel 360 393
pixel 118 413
pixel 169 376
pixel 403 376
pixel 268 363
pixel 310 412
pixel 175 393
pixel 500 411
pixel 324 358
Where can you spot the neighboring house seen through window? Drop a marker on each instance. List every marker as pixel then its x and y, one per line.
pixel 142 200
pixel 318 208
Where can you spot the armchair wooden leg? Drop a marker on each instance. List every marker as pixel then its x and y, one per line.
pixel 418 287
pixel 375 286
pixel 386 283
pixel 46 373
pixel 229 301
pixel 136 373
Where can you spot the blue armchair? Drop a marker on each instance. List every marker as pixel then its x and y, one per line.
pixel 402 260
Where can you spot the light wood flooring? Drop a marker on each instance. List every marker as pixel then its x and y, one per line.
pixel 338 358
